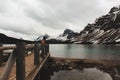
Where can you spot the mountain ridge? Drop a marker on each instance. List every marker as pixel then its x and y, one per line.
pixel 105 29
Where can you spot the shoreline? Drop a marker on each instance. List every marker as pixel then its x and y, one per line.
pixel 108 66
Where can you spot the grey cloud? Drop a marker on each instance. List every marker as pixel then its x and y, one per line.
pixel 51 22
pixel 44 15
pixel 3 6
pixel 75 11
pixel 17 29
pixel 79 12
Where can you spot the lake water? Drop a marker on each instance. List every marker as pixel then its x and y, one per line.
pixel 81 51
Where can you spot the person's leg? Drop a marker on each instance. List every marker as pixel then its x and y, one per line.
pixel 42 52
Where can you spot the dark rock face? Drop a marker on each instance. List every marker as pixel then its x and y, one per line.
pixel 69 33
pixel 114 9
pixel 105 29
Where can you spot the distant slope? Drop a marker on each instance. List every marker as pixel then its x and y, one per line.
pixel 10 40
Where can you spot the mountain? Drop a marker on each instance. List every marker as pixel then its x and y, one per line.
pixel 66 37
pixel 105 29
pixel 69 34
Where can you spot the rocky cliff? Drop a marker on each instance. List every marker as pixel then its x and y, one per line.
pixel 69 34
pixel 105 29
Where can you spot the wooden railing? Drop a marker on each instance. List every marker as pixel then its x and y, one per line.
pixel 18 56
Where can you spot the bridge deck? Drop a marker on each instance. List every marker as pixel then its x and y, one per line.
pixel 30 69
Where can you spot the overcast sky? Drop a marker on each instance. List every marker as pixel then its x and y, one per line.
pixel 30 18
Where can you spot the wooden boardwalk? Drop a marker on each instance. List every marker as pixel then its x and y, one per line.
pixel 30 69
pixel 19 63
pixel 29 65
pixel 31 75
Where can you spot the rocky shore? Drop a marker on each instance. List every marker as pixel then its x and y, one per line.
pixel 110 67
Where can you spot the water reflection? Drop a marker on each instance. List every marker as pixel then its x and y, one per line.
pixel 68 47
pixel 86 51
pixel 85 74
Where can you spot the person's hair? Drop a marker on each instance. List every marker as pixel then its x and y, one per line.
pixel 44 38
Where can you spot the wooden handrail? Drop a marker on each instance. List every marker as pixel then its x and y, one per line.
pixel 13 47
pixel 7 48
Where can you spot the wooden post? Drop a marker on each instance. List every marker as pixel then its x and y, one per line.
pixel 1 55
pixel 47 48
pixel 36 54
pixel 20 61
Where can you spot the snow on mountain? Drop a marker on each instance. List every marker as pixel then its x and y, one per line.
pixel 62 38
pixel 105 29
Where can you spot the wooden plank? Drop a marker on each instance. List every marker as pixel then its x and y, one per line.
pixel 35 71
pixel 20 61
pixel 29 64
pixel 8 67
